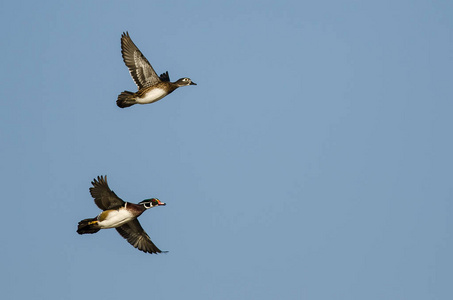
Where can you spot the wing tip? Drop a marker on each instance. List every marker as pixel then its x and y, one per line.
pixel 153 251
pixel 100 180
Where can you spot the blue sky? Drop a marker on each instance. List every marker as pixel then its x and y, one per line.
pixel 312 161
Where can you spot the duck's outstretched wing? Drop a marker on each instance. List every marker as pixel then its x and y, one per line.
pixel 141 70
pixel 103 196
pixel 137 237
pixel 164 76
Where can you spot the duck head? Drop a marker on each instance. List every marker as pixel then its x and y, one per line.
pixel 148 203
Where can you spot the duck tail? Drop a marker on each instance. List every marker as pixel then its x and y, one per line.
pixel 125 99
pixel 88 226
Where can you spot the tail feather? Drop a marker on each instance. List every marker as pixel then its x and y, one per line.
pixel 85 226
pixel 125 99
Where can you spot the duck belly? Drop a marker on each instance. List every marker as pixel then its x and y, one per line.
pixel 114 218
pixel 152 96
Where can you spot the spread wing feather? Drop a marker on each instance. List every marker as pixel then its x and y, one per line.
pixel 164 76
pixel 137 237
pixel 103 196
pixel 141 70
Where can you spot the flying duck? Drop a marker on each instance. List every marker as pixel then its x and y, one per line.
pixel 151 87
pixel 119 215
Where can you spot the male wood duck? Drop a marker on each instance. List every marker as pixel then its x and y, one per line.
pixel 151 87
pixel 119 215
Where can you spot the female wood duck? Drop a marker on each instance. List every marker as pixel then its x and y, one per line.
pixel 151 87
pixel 119 215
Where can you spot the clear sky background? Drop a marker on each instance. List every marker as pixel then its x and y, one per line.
pixel 313 160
